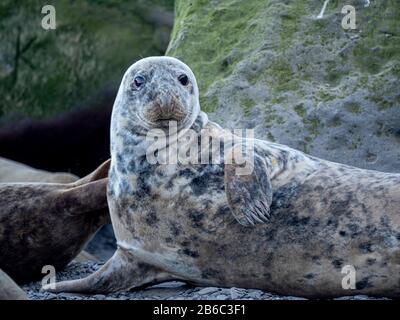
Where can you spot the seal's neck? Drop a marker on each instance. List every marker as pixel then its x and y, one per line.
pixel 132 144
pixel 200 122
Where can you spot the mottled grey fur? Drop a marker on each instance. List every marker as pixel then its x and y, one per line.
pixel 49 223
pixel 288 227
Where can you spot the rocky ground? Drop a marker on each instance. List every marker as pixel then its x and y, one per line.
pixel 166 291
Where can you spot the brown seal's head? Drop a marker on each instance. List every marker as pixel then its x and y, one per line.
pixel 157 90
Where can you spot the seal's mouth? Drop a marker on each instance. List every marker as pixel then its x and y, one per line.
pixel 161 111
pixel 164 120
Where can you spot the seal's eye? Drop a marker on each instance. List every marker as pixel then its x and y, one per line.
pixel 139 80
pixel 183 79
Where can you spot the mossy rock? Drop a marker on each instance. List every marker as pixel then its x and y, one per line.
pixel 297 79
pixel 46 72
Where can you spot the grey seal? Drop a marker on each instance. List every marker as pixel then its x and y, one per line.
pixel 288 226
pixel 9 290
pixel 49 223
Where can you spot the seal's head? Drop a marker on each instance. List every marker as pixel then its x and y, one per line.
pixel 157 90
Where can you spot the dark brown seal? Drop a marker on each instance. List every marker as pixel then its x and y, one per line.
pixel 49 223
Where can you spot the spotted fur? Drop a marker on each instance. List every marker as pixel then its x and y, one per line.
pixel 177 218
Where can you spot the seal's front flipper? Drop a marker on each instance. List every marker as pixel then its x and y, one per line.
pixel 121 272
pixel 248 188
pixel 86 195
pixel 85 198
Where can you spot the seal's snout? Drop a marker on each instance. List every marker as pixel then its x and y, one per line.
pixel 165 107
pixel 164 101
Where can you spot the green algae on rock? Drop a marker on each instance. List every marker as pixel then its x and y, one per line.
pixel 303 81
pixel 45 72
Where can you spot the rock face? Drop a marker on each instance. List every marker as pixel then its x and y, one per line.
pixel 46 72
pixel 298 79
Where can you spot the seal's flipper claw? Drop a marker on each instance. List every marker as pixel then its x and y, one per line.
pixel 249 193
pixel 119 273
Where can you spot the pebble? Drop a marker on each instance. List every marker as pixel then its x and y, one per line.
pixel 236 293
pixel 207 291
pixel 255 294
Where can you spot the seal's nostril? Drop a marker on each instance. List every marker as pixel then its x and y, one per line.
pixel 162 98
